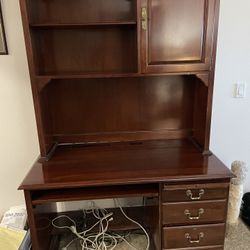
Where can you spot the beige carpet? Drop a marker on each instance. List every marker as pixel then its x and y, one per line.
pixel 238 237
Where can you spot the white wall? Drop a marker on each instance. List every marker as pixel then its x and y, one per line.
pixel 18 136
pixel 230 138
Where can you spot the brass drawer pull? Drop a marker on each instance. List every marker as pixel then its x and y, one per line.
pixel 190 217
pixel 200 236
pixel 190 194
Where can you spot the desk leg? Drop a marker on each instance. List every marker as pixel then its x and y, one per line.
pixel 31 220
pixel 39 218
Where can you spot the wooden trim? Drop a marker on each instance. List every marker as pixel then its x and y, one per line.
pixel 42 82
pixel 44 146
pixel 204 77
pixel 81 25
pixel 51 152
pixel 123 136
pixel 115 75
pixel 212 75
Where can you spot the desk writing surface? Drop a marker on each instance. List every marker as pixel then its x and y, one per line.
pixel 124 163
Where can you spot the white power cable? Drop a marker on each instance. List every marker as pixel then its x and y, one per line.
pixel 138 224
pixel 135 222
pixel 63 227
pixel 102 240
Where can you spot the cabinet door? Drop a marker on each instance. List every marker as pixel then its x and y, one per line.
pixel 177 35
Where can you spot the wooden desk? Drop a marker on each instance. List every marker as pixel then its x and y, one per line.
pixel 146 169
pixel 137 75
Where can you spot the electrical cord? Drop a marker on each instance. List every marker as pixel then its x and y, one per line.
pixel 138 224
pixel 102 239
pixel 135 222
pixel 60 217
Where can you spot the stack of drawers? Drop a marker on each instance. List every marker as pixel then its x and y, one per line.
pixel 194 216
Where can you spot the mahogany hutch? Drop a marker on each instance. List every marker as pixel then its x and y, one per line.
pixel 123 95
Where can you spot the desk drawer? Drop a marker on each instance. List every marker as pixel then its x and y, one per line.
pixel 193 236
pixel 200 248
pixel 183 213
pixel 194 192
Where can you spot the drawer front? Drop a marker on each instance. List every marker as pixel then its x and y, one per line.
pixel 195 192
pixel 193 236
pixel 200 248
pixel 183 213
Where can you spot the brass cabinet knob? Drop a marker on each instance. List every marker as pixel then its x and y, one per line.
pixel 190 217
pixel 190 194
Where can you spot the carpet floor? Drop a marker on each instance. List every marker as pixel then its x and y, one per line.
pixel 238 237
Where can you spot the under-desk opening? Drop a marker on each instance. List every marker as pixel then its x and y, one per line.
pixel 142 208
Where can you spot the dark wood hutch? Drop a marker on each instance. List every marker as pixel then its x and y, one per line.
pixel 123 96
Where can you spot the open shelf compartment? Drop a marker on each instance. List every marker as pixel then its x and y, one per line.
pixel 92 50
pixel 98 110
